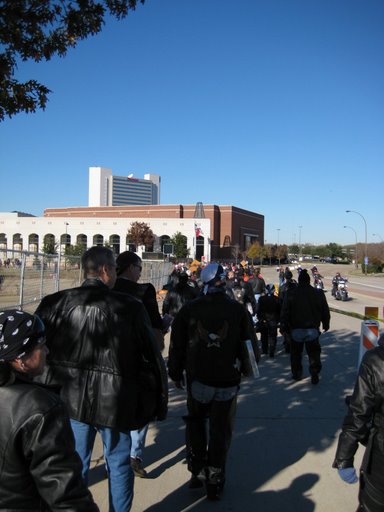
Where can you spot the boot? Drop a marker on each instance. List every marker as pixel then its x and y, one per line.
pixel 214 483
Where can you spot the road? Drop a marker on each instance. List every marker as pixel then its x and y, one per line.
pixel 363 290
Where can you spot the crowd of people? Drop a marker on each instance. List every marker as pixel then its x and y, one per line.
pixel 91 360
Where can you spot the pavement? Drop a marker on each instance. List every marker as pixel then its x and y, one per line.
pixel 283 445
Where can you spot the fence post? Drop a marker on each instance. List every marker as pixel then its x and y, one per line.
pixel 57 285
pixel 22 273
pixel 41 278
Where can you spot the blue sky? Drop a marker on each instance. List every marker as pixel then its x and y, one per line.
pixel 276 106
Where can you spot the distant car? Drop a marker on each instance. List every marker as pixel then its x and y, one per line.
pixel 328 259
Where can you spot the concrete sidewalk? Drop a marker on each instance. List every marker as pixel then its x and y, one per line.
pixel 283 446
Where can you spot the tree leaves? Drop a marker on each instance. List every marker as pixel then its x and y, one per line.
pixel 39 29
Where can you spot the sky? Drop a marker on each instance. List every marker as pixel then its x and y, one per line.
pixel 274 106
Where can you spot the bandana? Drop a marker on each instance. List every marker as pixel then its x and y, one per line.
pixel 20 333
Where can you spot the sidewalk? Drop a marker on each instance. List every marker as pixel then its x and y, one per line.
pixel 283 446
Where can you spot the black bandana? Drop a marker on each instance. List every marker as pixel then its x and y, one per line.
pixel 20 333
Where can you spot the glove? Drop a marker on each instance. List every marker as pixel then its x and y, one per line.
pixel 348 475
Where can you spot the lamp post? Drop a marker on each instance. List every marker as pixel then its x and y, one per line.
pixel 278 242
pixel 378 236
pixel 66 242
pixel 365 225
pixel 300 227
pixel 354 230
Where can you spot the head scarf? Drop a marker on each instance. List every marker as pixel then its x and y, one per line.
pixel 20 333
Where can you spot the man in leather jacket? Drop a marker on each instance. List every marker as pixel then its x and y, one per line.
pixel 129 267
pixel 208 342
pixel 101 348
pixel 40 469
pixel 302 313
pixel 364 424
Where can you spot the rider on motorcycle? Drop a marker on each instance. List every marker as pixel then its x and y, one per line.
pixel 315 272
pixel 335 282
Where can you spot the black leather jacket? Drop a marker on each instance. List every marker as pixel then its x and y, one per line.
pixel 305 307
pixel 207 338
pixel 365 416
pixel 39 468
pixel 101 346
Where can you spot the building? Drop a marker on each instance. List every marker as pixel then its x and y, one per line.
pixel 104 189
pixel 211 231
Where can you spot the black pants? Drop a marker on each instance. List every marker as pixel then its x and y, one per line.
pixel 313 350
pixel 268 335
pixel 209 446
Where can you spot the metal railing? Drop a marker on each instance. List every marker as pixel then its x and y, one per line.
pixel 26 277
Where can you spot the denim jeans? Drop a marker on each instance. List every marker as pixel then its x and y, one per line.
pixel 116 449
pixel 138 442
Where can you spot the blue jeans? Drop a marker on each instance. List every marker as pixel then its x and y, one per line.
pixel 138 442
pixel 116 449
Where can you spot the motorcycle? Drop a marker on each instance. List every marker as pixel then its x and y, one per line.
pixel 318 282
pixel 341 292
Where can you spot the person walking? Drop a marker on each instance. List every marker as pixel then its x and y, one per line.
pixel 40 469
pixel 102 351
pixel 180 294
pixel 268 315
pixel 285 289
pixel 209 343
pixel 129 268
pixel 302 313
pixel 364 424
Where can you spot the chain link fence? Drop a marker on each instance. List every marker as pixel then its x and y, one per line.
pixel 26 277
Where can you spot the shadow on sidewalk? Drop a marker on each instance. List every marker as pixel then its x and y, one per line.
pixel 282 427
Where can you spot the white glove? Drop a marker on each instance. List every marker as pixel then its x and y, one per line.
pixel 348 475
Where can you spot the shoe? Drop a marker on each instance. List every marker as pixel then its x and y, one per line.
pixel 297 376
pixel 271 353
pixel 215 483
pixel 315 379
pixel 214 492
pixel 137 466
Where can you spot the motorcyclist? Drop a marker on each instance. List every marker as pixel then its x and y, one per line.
pixel 317 277
pixel 335 282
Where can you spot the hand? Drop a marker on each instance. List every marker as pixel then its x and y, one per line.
pixel 348 475
pixel 179 384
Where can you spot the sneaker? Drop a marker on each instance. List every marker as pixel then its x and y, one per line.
pixel 315 379
pixel 137 466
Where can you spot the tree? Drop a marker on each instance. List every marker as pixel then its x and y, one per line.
pixel 141 234
pixel 256 251
pixel 179 242
pixel 50 245
pixel 75 250
pixel 38 30
pixel 73 253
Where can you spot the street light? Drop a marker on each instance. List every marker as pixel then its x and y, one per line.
pixel 278 241
pixel 66 243
pixel 378 236
pixel 354 230
pixel 365 224
pixel 300 227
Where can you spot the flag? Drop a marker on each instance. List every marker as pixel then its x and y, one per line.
pixel 198 231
